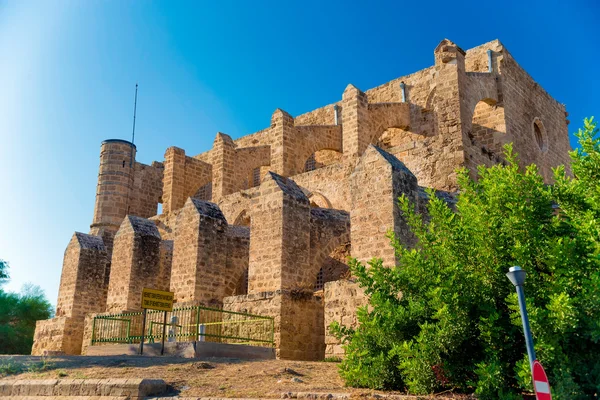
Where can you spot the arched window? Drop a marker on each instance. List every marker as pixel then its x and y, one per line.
pixel 539 133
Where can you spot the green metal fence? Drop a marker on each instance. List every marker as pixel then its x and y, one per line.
pixel 185 324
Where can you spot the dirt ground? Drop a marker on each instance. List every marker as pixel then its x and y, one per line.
pixel 211 377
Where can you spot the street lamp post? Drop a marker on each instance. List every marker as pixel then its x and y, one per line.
pixel 517 277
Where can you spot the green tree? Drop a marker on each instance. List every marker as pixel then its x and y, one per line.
pixel 446 317
pixel 3 271
pixel 18 314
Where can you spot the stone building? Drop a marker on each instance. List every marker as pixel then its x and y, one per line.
pixel 252 222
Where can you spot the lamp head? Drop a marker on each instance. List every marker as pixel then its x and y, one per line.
pixel 516 275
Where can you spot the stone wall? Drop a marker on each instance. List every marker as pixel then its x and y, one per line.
pixel 84 277
pixel 299 329
pixel 328 187
pixel 527 105
pixel 342 299
pixel 183 177
pixel 59 335
pixel 147 189
pixel 376 183
pixel 136 263
pixel 279 237
pixel 83 289
pixel 210 256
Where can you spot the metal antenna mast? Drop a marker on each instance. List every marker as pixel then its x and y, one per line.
pixel 133 131
pixel 134 112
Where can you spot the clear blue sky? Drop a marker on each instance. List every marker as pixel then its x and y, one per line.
pixel 68 71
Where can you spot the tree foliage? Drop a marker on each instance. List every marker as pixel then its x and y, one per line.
pixel 446 317
pixel 3 271
pixel 18 314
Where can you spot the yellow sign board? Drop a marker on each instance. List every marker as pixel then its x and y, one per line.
pixel 157 299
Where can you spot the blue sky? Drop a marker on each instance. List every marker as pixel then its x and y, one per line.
pixel 68 71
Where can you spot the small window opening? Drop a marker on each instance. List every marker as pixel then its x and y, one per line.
pixel 319 284
pixel 123 163
pixel 310 164
pixel 256 177
pixel 538 135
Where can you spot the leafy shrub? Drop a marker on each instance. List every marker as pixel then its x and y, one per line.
pixel 446 317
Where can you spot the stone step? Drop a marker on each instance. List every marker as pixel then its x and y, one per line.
pixel 133 388
pixel 70 397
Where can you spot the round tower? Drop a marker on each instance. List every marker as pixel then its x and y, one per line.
pixel 115 184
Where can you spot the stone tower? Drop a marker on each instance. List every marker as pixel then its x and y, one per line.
pixel 115 184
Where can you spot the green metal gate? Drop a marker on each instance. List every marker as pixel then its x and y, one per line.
pixel 185 324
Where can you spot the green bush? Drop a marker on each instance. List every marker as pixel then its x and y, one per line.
pixel 447 318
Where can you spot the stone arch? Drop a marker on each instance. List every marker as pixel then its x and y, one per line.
pixel 321 142
pixel 316 157
pixel 318 200
pixel 243 219
pixel 242 284
pixel 540 134
pixel 387 116
pixel 431 100
pixel 485 133
pixel 334 267
pixel 330 229
pixel 396 138
pixel 321 158
pixel 320 258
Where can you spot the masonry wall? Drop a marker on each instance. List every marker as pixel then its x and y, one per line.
pixel 83 279
pixel 60 335
pixel 279 236
pixel 209 256
pixel 183 177
pixel 136 263
pixel 525 103
pixel 329 229
pixel 147 189
pixel 376 183
pixel 299 329
pixel 328 186
pixel 342 300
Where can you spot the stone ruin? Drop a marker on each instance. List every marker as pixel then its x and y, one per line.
pixel 252 222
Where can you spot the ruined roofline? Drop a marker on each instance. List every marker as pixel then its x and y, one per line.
pixel 493 43
pixel 496 43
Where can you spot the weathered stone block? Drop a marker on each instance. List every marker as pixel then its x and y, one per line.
pixel 136 263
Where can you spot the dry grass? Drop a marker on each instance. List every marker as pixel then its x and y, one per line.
pixel 214 377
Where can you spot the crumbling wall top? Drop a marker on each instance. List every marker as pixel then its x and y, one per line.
pixel 91 242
